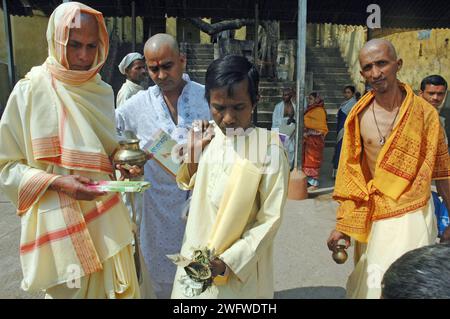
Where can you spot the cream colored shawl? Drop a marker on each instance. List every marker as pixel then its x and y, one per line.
pixel 60 122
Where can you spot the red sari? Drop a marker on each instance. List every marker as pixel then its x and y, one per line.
pixel 314 139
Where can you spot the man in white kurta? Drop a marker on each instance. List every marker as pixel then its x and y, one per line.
pixel 133 67
pixel 283 120
pixel 162 225
pixel 250 258
pixel 239 188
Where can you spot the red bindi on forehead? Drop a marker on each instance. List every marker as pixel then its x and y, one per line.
pixel 154 63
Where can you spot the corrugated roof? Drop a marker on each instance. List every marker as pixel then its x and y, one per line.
pixel 394 14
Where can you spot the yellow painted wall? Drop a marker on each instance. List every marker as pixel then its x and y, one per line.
pixel 29 43
pixel 205 37
pixel 422 57
pixel 350 40
pixel 241 33
pixel 171 27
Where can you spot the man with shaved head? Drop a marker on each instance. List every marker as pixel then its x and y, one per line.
pixel 393 146
pixel 171 106
pixel 57 136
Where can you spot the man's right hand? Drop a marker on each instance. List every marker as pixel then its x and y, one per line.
pixel 200 136
pixel 335 236
pixel 76 187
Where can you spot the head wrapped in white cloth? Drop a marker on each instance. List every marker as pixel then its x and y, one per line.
pixel 128 59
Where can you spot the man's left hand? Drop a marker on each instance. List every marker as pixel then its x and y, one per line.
pixel 127 171
pixel 218 267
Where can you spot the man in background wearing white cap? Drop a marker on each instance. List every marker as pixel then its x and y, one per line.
pixel 133 67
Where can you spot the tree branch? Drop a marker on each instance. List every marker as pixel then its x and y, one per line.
pixel 214 28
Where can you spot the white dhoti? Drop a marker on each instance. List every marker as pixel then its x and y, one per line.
pixel 389 240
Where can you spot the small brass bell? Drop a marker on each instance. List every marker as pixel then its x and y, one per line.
pixel 340 255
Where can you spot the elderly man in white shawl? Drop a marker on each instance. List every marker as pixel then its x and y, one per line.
pixel 133 67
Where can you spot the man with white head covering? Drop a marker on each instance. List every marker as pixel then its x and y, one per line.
pixel 133 67
pixel 171 105
pixel 56 137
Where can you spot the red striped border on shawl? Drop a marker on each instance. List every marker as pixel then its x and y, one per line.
pixel 69 231
pixel 32 188
pixel 48 149
pixel 81 240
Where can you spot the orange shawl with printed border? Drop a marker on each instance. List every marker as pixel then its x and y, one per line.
pixel 413 155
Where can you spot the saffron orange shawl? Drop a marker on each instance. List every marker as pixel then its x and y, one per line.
pixel 316 118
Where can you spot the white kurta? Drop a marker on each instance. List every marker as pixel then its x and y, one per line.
pixel 250 258
pixel 278 119
pixel 127 90
pixel 162 227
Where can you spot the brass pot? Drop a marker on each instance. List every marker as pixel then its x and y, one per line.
pixel 129 153
pixel 340 255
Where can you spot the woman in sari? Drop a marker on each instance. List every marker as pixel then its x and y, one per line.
pixel 314 139
pixel 344 109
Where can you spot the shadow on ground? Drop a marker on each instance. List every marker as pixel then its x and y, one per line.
pixel 311 293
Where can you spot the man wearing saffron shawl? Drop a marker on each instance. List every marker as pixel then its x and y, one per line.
pixel 56 136
pixel 344 109
pixel 314 139
pixel 393 147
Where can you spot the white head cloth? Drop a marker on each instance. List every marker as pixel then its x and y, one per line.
pixel 128 59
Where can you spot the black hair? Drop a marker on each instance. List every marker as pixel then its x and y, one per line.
pixel 433 80
pixel 225 72
pixel 313 94
pixel 419 274
pixel 351 88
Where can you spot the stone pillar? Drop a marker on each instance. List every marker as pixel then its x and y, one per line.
pixel 317 33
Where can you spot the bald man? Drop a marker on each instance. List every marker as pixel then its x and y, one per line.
pixel 171 106
pixel 384 196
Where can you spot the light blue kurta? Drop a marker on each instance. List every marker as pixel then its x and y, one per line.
pixel 162 227
pixel 278 119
